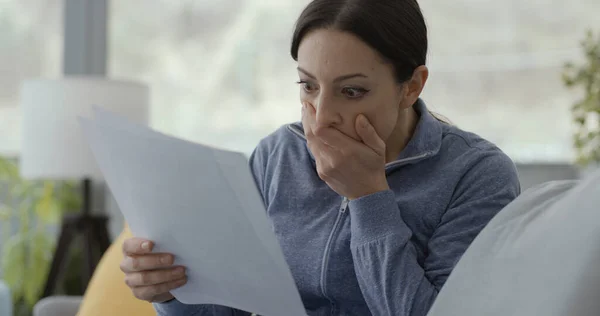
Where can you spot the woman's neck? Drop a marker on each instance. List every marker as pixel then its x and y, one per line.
pixel 403 132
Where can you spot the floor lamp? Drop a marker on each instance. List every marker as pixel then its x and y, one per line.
pixel 53 148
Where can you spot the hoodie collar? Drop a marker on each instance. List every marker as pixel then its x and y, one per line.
pixel 425 142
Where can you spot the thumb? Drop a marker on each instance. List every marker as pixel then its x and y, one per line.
pixel 369 136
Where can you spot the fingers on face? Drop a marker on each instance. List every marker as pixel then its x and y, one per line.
pixel 368 135
pixel 335 139
pixel 330 136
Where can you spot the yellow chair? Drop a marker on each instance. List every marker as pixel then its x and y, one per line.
pixel 107 293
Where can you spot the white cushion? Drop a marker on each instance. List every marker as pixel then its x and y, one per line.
pixel 539 256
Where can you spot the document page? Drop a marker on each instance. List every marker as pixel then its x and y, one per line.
pixel 200 204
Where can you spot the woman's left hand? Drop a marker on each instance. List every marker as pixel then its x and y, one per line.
pixel 351 168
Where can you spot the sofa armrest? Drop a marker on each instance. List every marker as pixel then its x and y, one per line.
pixel 57 306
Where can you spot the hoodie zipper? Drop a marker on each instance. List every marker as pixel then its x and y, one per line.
pixel 325 261
pixel 400 162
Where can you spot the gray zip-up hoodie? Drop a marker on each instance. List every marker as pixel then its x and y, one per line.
pixel 388 253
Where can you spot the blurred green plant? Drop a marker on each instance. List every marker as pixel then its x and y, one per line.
pixel 586 111
pixel 27 253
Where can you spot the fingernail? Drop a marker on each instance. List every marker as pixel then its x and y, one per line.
pixel 363 121
pixel 146 245
pixel 165 260
pixel 178 272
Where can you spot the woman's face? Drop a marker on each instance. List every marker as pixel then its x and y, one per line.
pixel 341 77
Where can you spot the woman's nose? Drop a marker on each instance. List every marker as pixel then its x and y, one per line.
pixel 327 114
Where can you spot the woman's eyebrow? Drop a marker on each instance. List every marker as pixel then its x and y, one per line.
pixel 338 79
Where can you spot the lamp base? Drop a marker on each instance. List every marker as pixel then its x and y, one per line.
pixel 93 229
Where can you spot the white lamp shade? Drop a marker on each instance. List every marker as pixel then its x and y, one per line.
pixel 53 146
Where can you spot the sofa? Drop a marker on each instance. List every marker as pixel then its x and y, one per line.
pixel 538 256
pixel 58 306
pixel 5 300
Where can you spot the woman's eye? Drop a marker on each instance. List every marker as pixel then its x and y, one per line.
pixel 307 86
pixel 354 93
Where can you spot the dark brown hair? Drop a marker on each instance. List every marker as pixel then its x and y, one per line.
pixel 394 28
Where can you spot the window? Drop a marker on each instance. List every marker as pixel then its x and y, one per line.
pixel 219 72
pixel 496 70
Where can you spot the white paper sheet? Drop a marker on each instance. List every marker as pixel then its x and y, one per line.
pixel 202 205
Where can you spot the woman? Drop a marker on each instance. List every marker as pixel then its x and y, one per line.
pixel 372 198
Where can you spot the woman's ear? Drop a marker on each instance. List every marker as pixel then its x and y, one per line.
pixel 414 86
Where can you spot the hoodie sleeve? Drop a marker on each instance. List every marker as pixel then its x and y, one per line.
pixel 385 260
pixel 176 308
